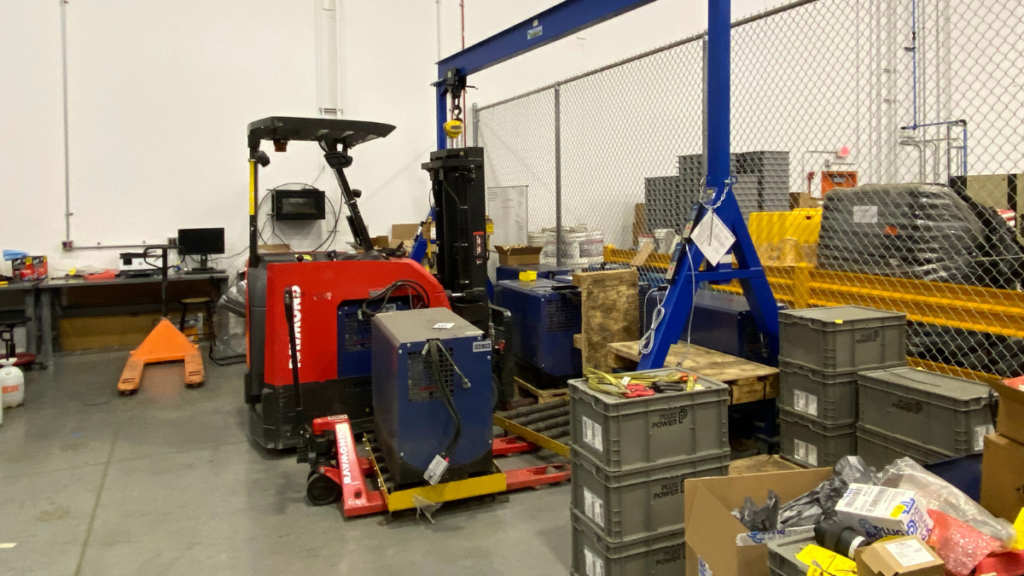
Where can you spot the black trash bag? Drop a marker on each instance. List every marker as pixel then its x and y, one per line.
pixel 820 504
pixel 759 518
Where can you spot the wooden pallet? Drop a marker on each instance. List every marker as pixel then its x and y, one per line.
pixel 748 381
pixel 527 390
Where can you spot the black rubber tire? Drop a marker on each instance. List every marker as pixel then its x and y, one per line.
pixel 321 490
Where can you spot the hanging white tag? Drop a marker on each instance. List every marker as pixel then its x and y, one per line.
pixel 713 238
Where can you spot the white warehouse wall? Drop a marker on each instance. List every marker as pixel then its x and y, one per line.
pixel 159 99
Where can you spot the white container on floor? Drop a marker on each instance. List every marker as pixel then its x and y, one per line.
pixel 12 384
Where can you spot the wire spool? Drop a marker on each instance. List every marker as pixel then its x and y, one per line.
pixel 663 238
pixel 536 238
pixel 550 252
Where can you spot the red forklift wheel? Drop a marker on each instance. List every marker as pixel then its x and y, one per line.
pixel 321 490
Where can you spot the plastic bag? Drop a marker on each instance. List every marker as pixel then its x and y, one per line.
pixel 229 325
pixel 855 471
pixel 759 518
pixel 820 503
pixel 934 493
pixel 959 545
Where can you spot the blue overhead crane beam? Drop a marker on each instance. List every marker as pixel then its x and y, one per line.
pixel 555 23
pixel 572 16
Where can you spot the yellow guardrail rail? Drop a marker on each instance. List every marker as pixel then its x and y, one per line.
pixel 797 281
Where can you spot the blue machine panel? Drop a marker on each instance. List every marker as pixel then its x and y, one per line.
pixel 354 333
pixel 413 424
pixel 544 321
pixel 721 322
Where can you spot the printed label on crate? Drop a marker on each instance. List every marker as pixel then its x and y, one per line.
pixel 668 557
pixel 484 346
pixel 670 418
pixel 592 434
pixel 594 565
pixel 979 436
pixel 593 507
pixel 909 552
pixel 702 568
pixel 805 402
pixel 668 490
pixel 865 214
pixel 806 452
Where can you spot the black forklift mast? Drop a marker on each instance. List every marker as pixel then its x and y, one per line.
pixel 331 134
pixel 460 215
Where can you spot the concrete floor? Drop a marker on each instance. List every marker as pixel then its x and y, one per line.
pixel 167 482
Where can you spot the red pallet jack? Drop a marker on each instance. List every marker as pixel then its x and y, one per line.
pixel 339 474
pixel 363 491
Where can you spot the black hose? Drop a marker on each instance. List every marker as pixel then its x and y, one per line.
pixel 446 396
pixel 415 287
pixel 289 311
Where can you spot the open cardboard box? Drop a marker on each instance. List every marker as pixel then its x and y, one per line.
pixel 1010 422
pixel 518 255
pixel 711 529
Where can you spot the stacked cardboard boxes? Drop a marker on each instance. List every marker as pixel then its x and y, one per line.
pixel 821 350
pixel 1002 474
pixel 630 458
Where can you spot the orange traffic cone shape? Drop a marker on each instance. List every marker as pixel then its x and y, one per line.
pixel 164 344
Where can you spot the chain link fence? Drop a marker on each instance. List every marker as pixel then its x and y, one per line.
pixel 876 145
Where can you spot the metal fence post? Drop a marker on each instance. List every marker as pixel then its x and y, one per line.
pixel 476 124
pixel 558 176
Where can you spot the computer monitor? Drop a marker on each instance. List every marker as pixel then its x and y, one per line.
pixel 200 242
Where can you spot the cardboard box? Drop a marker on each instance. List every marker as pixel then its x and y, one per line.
pixel 803 200
pixel 404 231
pixel 516 255
pixel 1002 477
pixel 906 556
pixel 877 511
pixel 1010 422
pixel 712 532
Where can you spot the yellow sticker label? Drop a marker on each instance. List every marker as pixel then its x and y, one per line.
pixel 490 228
pixel 252 187
pixel 1019 525
pixel 897 511
pixel 839 321
pixel 824 562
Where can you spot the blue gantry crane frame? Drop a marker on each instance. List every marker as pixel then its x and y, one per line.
pixel 572 16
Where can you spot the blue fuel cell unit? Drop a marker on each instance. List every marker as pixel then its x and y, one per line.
pixel 354 337
pixel 412 422
pixel 721 322
pixel 545 316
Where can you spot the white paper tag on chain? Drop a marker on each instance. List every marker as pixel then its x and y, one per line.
pixel 436 470
pixel 713 237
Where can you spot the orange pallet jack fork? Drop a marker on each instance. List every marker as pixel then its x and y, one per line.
pixel 165 343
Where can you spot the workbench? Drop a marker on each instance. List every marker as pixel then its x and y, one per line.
pixel 748 381
pixel 38 312
pixel 102 300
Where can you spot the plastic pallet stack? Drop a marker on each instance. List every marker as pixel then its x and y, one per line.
pixel 927 416
pixel 769 171
pixel 821 350
pixel 630 458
